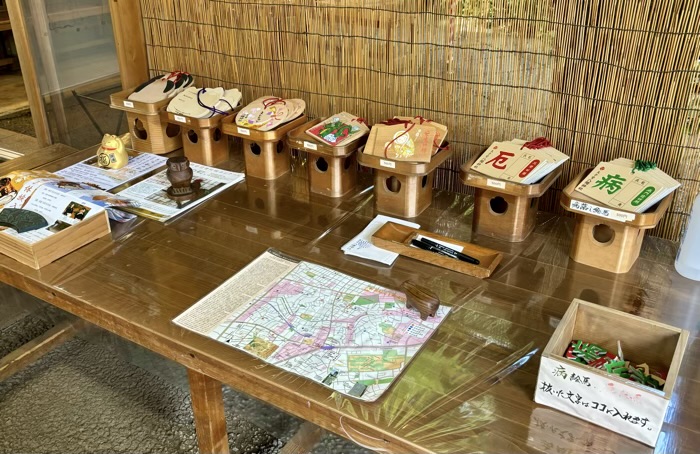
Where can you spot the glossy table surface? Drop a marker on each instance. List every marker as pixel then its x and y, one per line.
pixel 471 387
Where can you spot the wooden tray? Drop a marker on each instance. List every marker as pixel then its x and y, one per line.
pixel 397 238
pixel 403 167
pixel 647 220
pixel 229 126
pixel 298 138
pixel 57 245
pixel 479 180
pixel 200 123
pixel 119 101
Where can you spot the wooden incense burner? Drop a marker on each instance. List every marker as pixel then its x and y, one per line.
pixel 421 299
pixel 179 175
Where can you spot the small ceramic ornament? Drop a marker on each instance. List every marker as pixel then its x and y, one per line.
pixel 112 153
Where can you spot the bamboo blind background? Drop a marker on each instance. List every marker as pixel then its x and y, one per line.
pixel 600 78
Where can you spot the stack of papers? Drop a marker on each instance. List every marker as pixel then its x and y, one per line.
pixel 361 245
pixel 269 112
pixel 411 139
pixel 205 102
pixel 514 161
pixel 618 184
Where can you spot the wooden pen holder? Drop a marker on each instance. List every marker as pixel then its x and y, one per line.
pixel 403 189
pixel 504 210
pixel 202 138
pixel 606 238
pixel 149 126
pixel 332 170
pixel 265 152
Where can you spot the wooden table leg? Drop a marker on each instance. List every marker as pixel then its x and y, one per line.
pixel 209 416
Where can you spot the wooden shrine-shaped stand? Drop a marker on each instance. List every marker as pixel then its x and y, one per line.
pixel 403 189
pixel 606 238
pixel 504 210
pixel 148 124
pixel 202 138
pixel 265 152
pixel 332 170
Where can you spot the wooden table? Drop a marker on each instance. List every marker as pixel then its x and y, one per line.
pixel 470 388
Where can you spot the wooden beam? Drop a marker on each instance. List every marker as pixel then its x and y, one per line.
pixel 209 416
pixel 130 41
pixel 304 440
pixel 29 74
pixel 36 348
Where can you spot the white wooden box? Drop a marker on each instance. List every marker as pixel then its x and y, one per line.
pixel 621 405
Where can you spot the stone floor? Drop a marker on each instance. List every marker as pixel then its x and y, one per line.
pixel 98 393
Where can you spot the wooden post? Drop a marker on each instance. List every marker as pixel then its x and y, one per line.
pixel 130 41
pixel 209 416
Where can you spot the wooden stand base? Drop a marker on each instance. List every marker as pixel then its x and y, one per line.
pixel 332 176
pixel 152 133
pixel 205 146
pixel 405 196
pixel 504 216
pixel 609 246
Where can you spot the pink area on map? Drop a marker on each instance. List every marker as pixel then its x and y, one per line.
pixel 286 288
pixel 300 345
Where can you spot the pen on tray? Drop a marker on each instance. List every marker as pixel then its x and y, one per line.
pixel 461 256
pixel 432 246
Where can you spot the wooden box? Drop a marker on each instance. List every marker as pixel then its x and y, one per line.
pixel 615 403
pixel 397 238
pixel 265 152
pixel 504 210
pixel 203 141
pixel 605 238
pixel 403 189
pixel 332 170
pixel 57 245
pixel 148 124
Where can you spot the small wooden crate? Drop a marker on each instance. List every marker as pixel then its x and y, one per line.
pixel 605 238
pixel 148 124
pixel 397 238
pixel 265 152
pixel 608 400
pixel 504 210
pixel 403 189
pixel 57 245
pixel 332 170
pixel 203 140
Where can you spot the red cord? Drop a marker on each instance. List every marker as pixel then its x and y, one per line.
pixel 538 143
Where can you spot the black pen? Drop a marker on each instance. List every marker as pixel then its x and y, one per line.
pixel 449 251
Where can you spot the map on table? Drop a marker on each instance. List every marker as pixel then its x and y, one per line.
pixel 347 334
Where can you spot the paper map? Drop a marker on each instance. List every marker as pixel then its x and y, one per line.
pixel 347 334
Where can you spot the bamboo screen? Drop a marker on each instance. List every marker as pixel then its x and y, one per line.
pixel 600 78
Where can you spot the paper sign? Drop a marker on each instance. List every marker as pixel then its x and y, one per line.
pixel 180 118
pixel 389 164
pixel 616 406
pixel 128 104
pixel 603 212
pixel 310 146
pixel 244 131
pixel 495 183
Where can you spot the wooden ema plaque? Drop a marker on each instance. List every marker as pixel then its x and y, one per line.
pixel 606 238
pixel 203 140
pixel 265 152
pixel 504 210
pixel 148 124
pixel 332 170
pixel 403 189
pixel 397 238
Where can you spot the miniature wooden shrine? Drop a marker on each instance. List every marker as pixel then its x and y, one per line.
pixel 504 210
pixel 332 170
pixel 606 238
pixel 265 152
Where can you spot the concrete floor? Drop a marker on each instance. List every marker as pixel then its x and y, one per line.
pixel 98 393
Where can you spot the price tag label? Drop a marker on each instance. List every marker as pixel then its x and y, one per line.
pixel 310 145
pixel 496 183
pixel 244 131
pixel 389 164
pixel 180 118
pixel 128 104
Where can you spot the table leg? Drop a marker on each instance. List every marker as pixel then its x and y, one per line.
pixel 209 416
